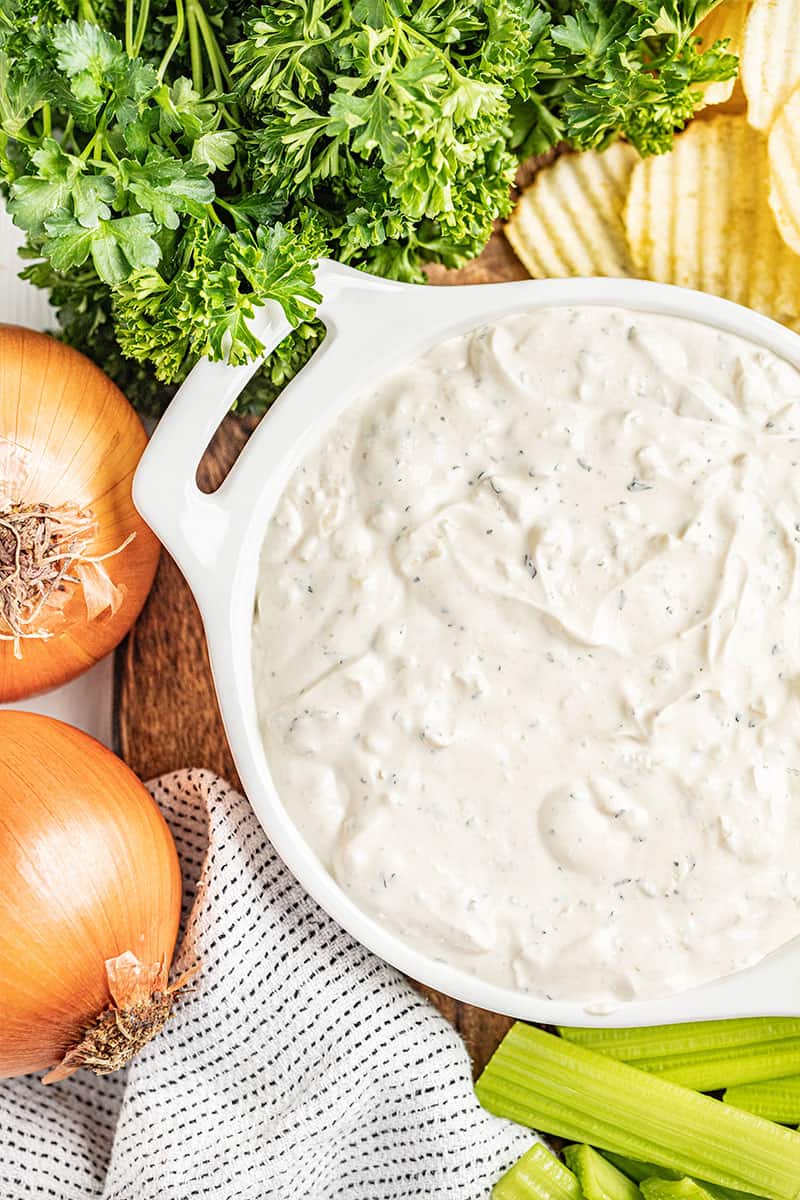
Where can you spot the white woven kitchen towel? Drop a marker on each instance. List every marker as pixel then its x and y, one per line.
pixel 300 1067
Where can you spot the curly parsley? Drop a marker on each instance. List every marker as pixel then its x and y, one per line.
pixel 173 162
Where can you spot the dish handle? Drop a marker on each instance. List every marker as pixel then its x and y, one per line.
pixel 192 524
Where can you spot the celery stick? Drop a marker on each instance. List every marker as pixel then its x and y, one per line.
pixel 661 1041
pixel 538 1175
pixel 598 1178
pixel 668 1189
pixel 705 1056
pixel 714 1069
pixel 639 1171
pixel 775 1099
pixel 550 1084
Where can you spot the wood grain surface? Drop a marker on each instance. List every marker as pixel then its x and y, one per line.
pixel 166 706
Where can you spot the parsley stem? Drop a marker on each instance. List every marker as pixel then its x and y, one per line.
pixel 238 222
pixel 344 22
pixel 67 136
pixel 409 33
pixel 87 12
pixel 47 122
pixel 141 26
pixel 96 136
pixel 109 150
pixel 27 139
pixel 129 28
pixel 219 69
pixel 195 53
pixel 216 59
pixel 390 66
pixel 175 40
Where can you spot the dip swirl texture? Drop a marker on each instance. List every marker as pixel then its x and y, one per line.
pixel 527 653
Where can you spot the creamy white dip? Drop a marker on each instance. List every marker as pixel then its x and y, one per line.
pixel 527 653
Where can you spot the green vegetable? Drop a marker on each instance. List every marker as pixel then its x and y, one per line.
pixel 550 1084
pixel 681 1189
pixel 705 1056
pixel 173 162
pixel 709 1071
pixel 661 1041
pixel 598 1178
pixel 538 1175
pixel 775 1099
pixel 639 1171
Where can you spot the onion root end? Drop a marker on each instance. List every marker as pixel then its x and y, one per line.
pixel 141 1006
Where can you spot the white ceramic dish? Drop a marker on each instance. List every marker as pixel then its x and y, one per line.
pixel 373 326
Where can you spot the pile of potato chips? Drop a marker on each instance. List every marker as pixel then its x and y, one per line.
pixel 720 212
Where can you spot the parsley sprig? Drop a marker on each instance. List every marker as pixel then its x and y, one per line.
pixel 174 162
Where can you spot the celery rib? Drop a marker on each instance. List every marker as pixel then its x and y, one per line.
pixel 639 1171
pixel 681 1189
pixel 561 1088
pixel 662 1041
pixel 774 1099
pixel 538 1175
pixel 705 1056
pixel 598 1178
pixel 712 1070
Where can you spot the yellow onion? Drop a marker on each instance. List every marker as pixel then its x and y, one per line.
pixel 76 559
pixel 90 895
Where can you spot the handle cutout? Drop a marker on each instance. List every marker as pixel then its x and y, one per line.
pixel 222 452
pixel 235 430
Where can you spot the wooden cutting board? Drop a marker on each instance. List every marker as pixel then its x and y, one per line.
pixel 166 706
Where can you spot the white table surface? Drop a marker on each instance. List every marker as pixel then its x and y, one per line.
pixel 87 701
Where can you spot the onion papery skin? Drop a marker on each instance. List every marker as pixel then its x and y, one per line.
pixel 88 873
pixel 68 435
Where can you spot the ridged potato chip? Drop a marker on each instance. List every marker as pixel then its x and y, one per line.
pixel 736 103
pixel 569 221
pixel 700 217
pixel 770 63
pixel 727 20
pixel 784 171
